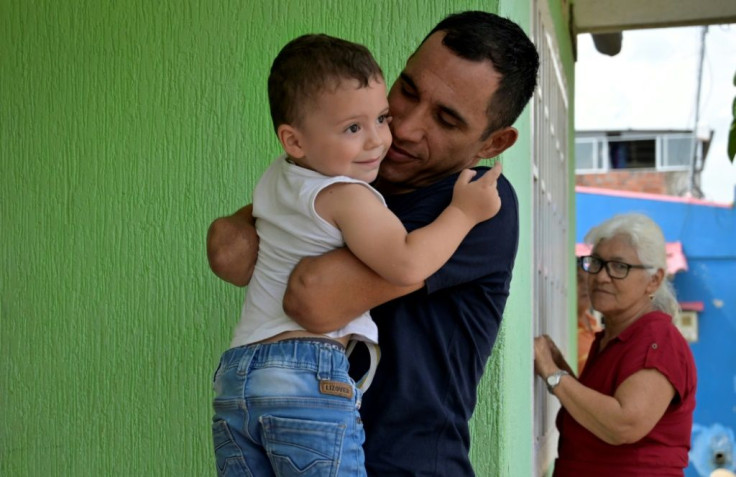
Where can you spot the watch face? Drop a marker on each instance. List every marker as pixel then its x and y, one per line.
pixel 554 379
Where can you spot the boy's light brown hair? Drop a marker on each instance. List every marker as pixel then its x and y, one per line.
pixel 311 64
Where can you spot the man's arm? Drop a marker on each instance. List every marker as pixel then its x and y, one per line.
pixel 232 246
pixel 327 292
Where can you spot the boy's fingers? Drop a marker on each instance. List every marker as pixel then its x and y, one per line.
pixel 465 176
pixel 496 170
pixel 491 176
pixel 498 166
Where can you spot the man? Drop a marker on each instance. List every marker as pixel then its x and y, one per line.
pixel 452 105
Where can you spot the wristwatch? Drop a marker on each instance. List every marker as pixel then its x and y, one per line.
pixel 553 380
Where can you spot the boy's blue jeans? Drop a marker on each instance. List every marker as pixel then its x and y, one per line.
pixel 287 409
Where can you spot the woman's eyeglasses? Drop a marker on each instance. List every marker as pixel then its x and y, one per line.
pixel 615 269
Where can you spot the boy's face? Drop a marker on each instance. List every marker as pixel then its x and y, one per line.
pixel 439 108
pixel 345 131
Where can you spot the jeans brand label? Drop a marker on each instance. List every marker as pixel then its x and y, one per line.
pixel 336 388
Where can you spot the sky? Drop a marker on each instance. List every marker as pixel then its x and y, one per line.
pixel 652 84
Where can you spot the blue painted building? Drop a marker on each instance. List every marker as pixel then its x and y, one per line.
pixel 707 232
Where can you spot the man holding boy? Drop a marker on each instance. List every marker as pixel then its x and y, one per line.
pixel 453 104
pixel 284 399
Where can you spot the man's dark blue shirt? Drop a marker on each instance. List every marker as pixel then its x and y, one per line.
pixel 435 343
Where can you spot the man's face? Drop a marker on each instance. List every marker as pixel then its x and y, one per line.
pixel 438 105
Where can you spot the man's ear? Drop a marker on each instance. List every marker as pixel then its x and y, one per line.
pixel 290 139
pixel 498 142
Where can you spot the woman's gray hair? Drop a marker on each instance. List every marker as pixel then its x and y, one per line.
pixel 648 241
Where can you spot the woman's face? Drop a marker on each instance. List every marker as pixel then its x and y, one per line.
pixel 621 296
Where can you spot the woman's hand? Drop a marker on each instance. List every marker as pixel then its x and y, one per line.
pixel 544 363
pixel 548 358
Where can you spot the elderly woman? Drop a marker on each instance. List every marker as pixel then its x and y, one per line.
pixel 630 412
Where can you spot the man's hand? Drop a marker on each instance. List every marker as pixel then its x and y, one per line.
pixel 232 246
pixel 326 292
pixel 479 200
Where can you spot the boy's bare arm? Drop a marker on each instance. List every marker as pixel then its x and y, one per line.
pixel 326 292
pixel 232 246
pixel 378 238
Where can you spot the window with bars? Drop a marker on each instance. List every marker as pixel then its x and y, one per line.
pixel 551 190
pixel 661 151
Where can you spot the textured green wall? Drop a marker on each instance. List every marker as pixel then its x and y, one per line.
pixel 125 128
pixel 503 421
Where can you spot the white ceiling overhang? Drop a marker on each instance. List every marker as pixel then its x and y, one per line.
pixel 607 16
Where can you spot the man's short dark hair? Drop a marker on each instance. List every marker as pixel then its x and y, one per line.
pixel 480 36
pixel 311 64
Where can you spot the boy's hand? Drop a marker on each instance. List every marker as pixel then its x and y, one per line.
pixel 479 200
